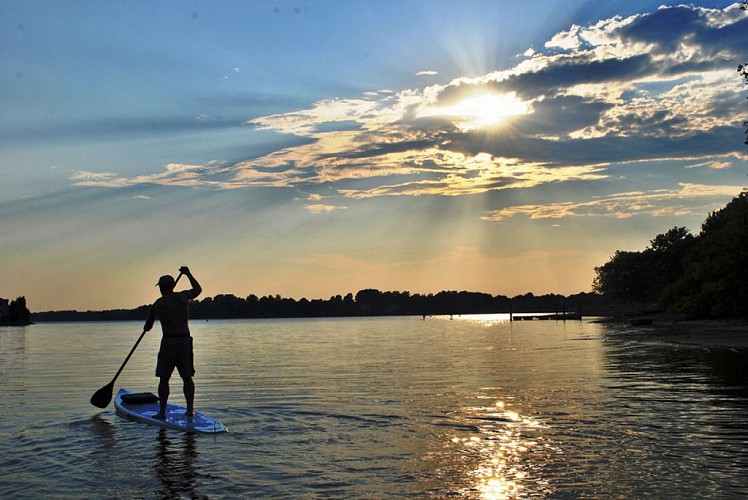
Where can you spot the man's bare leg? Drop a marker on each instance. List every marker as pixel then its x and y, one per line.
pixel 189 396
pixel 163 397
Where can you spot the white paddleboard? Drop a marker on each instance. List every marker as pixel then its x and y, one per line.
pixel 175 417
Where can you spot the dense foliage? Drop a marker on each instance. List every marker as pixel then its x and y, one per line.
pixel 17 313
pixel 705 276
pixel 642 276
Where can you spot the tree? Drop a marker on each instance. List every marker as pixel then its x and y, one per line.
pixel 370 301
pixel 643 276
pixel 715 274
pixel 664 260
pixel 18 313
pixel 623 277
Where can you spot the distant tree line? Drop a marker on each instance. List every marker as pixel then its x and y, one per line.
pixel 14 312
pixel 368 302
pixel 702 276
pixel 371 302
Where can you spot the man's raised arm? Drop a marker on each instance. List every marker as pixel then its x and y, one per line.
pixel 196 288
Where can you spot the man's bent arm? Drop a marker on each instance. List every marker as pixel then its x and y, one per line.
pixel 196 288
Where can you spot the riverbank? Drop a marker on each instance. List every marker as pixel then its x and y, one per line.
pixel 710 333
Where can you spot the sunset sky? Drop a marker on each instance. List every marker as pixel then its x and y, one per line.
pixel 316 148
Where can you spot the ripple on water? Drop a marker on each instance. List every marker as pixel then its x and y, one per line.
pixel 379 407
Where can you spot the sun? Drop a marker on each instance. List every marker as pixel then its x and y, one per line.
pixel 482 111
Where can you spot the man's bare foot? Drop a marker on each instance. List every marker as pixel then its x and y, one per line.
pixel 189 413
pixel 160 416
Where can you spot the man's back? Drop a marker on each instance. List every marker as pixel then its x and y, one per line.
pixel 172 310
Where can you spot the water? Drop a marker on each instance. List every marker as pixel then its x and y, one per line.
pixel 379 407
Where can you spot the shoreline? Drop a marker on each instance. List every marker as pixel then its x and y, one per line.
pixel 704 333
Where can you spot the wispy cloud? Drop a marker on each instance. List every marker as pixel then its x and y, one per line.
pixel 646 87
pixel 85 178
pixel 315 205
pixel 320 208
pixel 657 203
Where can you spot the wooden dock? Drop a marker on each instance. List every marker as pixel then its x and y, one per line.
pixel 545 317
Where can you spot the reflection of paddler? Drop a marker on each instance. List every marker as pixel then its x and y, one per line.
pixel 172 311
pixel 176 465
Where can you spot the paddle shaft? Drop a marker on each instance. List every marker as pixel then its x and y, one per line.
pixel 128 357
pixel 135 346
pixel 103 396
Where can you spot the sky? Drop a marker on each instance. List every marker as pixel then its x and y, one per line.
pixel 316 148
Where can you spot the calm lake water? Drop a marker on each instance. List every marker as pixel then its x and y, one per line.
pixel 379 407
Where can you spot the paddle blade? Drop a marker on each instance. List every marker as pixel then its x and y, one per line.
pixel 103 396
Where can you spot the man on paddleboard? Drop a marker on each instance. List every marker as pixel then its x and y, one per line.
pixel 172 311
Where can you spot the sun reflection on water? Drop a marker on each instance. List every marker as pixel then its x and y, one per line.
pixel 501 443
pixel 485 318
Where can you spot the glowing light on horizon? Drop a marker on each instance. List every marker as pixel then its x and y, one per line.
pixel 480 111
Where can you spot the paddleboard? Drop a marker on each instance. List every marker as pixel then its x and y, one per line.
pixel 141 411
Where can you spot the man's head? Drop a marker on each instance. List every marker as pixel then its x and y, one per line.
pixel 166 284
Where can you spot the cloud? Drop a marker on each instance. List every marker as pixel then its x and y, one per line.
pixel 85 178
pixel 175 174
pixel 657 203
pixel 320 208
pixel 713 164
pixel 474 175
pixel 660 85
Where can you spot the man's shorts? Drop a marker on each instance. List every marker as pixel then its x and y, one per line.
pixel 175 352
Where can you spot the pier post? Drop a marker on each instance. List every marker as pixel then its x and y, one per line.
pixel 511 311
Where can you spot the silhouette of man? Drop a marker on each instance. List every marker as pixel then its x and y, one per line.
pixel 172 311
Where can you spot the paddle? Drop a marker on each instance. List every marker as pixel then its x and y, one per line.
pixel 103 396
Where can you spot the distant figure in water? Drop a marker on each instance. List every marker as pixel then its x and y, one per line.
pixel 172 311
